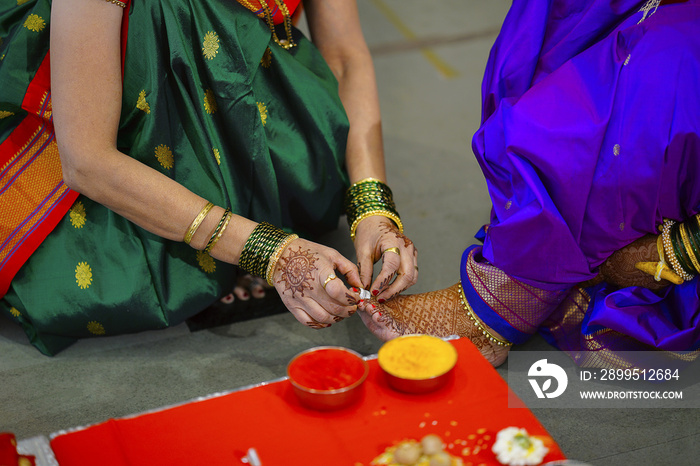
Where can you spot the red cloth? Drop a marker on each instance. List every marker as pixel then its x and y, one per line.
pixel 277 16
pixel 8 452
pixel 467 413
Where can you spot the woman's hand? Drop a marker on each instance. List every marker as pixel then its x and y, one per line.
pixel 304 278
pixel 377 238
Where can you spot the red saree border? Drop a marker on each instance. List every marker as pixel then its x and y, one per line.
pixel 293 6
pixel 38 200
pixel 31 150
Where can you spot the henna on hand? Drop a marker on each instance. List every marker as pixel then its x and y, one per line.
pixel 387 281
pixel 350 299
pixel 316 325
pixel 296 271
pixel 619 268
pixel 391 227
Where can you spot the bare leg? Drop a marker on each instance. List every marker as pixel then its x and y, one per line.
pixel 439 313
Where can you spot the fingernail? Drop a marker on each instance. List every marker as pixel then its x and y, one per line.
pixel 361 301
pixel 375 292
pixel 374 306
pixel 380 314
pixel 245 295
pixel 381 300
pixel 355 289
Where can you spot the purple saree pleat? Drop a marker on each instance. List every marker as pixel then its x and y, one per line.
pixel 589 138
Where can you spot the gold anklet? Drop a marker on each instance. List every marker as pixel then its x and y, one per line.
pixel 479 325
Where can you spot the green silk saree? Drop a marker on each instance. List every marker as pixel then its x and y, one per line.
pixel 210 100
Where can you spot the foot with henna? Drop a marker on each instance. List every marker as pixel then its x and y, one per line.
pixel 439 313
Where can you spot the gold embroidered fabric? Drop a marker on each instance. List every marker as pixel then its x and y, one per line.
pixel 35 23
pixel 522 306
pixel 83 275
pixel 77 215
pixel 165 156
pixel 210 105
pixel 206 262
pixel 262 108
pixel 210 45
pixel 142 104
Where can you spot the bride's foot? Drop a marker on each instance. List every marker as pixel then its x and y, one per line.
pixel 247 286
pixel 439 313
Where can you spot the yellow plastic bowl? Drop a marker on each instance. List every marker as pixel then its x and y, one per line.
pixel 417 363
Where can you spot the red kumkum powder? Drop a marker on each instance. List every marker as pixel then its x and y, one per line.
pixel 326 369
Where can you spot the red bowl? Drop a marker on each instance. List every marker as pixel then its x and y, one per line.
pixel 417 363
pixel 326 378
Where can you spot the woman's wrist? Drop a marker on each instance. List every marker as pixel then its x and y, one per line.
pixel 263 249
pixel 219 232
pixel 370 197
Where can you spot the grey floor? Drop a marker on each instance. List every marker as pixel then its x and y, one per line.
pixel 429 58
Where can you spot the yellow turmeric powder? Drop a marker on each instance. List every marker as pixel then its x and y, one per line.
pixel 417 356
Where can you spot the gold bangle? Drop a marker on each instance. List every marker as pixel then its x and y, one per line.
pixel 479 325
pixel 262 242
pixel 688 249
pixel 668 246
pixel 197 222
pixel 383 213
pixel 662 261
pixel 117 2
pixel 219 230
pixel 275 257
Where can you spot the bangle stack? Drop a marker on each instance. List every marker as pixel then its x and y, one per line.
pixel 218 231
pixel 263 249
pixel 369 197
pixel 681 248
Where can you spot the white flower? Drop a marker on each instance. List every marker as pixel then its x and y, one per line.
pixel 515 447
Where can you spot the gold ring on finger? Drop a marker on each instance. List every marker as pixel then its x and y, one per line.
pixel 395 250
pixel 330 277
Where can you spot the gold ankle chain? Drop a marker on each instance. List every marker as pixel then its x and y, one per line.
pixel 479 325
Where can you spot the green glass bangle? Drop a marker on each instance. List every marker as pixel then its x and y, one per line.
pixel 368 187
pixel 354 212
pixel 690 248
pixel 678 248
pixel 259 248
pixel 361 198
pixel 694 230
pixel 367 198
pixel 223 223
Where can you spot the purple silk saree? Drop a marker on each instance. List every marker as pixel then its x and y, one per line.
pixel 590 136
